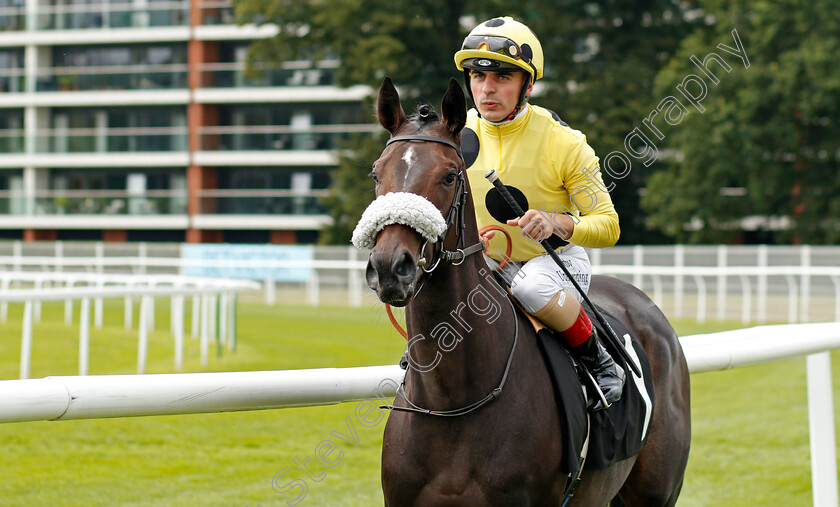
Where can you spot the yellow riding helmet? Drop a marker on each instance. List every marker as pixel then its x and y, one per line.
pixel 502 43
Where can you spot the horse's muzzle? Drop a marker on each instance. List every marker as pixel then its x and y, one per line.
pixel 392 275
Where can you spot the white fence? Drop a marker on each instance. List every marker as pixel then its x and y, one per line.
pixel 747 283
pixel 750 282
pixel 213 299
pixel 63 398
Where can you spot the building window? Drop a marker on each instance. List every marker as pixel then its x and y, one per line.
pixel 11 70
pixel 78 130
pixel 116 68
pixel 267 191
pixel 286 127
pixel 93 14
pixel 11 130
pixel 12 15
pixel 117 191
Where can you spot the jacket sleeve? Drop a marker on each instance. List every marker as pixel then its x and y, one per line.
pixel 597 225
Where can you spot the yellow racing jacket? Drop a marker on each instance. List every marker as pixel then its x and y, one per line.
pixel 550 165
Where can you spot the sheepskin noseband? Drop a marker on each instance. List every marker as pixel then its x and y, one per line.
pixel 403 208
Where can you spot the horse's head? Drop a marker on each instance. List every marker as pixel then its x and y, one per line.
pixel 418 178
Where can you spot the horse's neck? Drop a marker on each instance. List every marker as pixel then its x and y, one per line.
pixel 460 333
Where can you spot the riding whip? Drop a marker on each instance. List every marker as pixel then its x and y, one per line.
pixel 497 183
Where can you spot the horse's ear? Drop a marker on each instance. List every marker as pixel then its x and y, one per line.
pixel 454 108
pixel 388 107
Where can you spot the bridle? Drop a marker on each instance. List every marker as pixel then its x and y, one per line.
pixel 454 215
pixel 456 258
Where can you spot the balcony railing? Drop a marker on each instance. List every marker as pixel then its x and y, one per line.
pixel 280 137
pixel 217 12
pixel 232 75
pixel 11 141
pixel 114 77
pixel 12 19
pixel 162 202
pixel 100 140
pixel 94 202
pixel 12 80
pixel 109 15
pixel 260 202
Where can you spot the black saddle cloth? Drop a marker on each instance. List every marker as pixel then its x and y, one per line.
pixel 616 433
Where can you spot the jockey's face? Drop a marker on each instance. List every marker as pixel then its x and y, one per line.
pixel 496 94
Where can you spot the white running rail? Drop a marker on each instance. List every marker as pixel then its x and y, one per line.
pixel 61 398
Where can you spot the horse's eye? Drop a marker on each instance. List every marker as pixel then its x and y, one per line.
pixel 450 178
pixel 375 177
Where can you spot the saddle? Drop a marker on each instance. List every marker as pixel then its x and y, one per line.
pixel 614 434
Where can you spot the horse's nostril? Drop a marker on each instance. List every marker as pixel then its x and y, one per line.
pixel 404 266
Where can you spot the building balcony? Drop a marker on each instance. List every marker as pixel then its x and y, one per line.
pixel 163 209
pixel 268 145
pixel 260 202
pixel 97 16
pixel 12 81
pixel 12 19
pixel 281 137
pixel 11 141
pixel 101 140
pixel 164 139
pixel 122 77
pixel 217 12
pixel 232 75
pixel 92 208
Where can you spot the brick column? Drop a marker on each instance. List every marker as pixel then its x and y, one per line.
pixel 199 115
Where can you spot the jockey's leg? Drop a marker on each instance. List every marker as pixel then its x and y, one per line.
pixel 564 314
pixel 536 288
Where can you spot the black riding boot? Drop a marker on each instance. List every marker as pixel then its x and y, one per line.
pixel 608 375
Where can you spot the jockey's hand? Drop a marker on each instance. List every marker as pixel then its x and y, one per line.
pixel 485 238
pixel 540 225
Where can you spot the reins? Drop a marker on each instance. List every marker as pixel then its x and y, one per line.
pixel 495 393
pixel 486 228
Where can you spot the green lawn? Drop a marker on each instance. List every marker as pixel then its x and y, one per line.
pixel 750 442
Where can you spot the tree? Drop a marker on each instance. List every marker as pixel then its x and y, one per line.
pixel 351 187
pixel 410 41
pixel 768 129
pixel 602 57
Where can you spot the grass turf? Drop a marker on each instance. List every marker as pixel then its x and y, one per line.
pixel 749 446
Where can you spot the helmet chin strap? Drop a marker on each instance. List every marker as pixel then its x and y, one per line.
pixel 513 114
pixel 522 98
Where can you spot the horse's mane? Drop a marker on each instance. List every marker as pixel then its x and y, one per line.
pixel 424 116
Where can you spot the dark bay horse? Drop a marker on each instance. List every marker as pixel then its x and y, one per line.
pixel 485 446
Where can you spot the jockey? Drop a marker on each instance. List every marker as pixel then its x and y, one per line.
pixel 553 173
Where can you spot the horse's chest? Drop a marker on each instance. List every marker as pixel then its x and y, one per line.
pixel 474 469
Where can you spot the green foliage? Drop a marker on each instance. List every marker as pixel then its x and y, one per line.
pixel 410 41
pixel 602 58
pixel 602 94
pixel 351 189
pixel 770 128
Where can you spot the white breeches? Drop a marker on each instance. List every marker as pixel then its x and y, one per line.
pixel 536 281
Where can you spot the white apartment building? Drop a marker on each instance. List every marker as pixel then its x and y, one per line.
pixel 133 120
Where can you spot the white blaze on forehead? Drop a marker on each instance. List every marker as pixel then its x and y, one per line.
pixel 408 158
